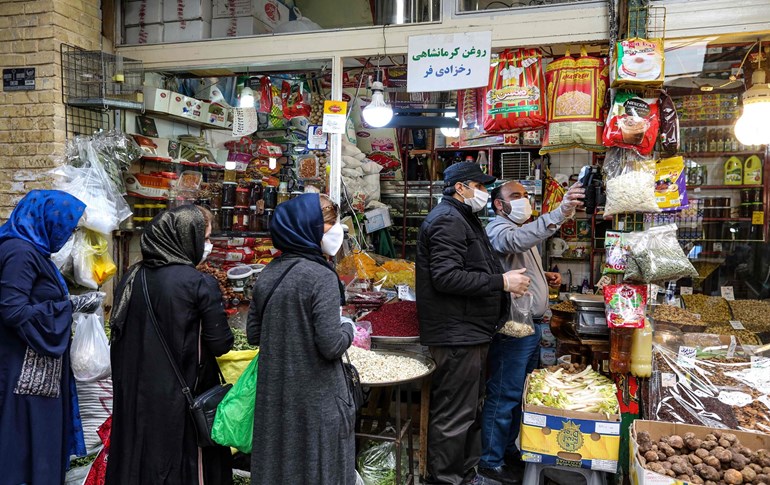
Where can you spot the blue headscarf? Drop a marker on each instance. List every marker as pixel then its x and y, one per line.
pixel 297 229
pixel 46 219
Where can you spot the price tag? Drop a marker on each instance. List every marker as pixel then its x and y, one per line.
pixel 696 315
pixel 654 290
pixel 757 218
pixel 737 325
pixel 405 293
pixel 603 281
pixel 759 362
pixel 718 247
pixel 733 344
pixel 696 190
pixel 667 379
pixel 728 293
pixel 685 290
pixel 335 114
pixel 686 356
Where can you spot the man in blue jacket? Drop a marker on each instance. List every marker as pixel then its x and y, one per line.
pixel 462 300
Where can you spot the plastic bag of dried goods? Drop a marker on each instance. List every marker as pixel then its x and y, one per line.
pixel 630 181
pixel 519 323
pixel 657 256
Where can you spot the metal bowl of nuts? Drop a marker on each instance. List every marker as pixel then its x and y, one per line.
pixel 380 368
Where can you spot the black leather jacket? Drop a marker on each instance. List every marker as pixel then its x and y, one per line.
pixel 460 297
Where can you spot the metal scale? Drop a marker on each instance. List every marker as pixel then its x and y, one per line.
pixel 590 320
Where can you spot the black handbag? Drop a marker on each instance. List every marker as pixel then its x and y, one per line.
pixel 354 382
pixel 203 408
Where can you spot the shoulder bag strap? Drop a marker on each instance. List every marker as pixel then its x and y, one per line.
pixel 185 388
pixel 275 285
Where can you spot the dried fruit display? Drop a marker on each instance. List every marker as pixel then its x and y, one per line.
pixel 712 309
pixel 754 314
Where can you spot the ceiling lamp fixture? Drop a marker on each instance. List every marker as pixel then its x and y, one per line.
pixel 753 126
pixel 451 132
pixel 377 113
pixel 246 99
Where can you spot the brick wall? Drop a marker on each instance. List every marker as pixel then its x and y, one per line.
pixel 32 123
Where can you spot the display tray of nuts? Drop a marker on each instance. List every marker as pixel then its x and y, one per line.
pixel 703 456
pixel 387 368
pixel 712 309
pixel 682 319
pixel 754 314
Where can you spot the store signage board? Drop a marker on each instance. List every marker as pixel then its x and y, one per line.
pixel 19 79
pixel 335 116
pixel 448 62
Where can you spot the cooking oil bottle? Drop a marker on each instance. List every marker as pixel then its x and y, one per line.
pixel 752 171
pixel 733 171
pixel 641 351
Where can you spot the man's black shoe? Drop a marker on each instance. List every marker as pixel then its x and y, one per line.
pixel 502 474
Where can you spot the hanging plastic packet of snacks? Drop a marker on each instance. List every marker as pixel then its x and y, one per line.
pixel 576 110
pixel 669 125
pixel 630 183
pixel 625 305
pixel 670 184
pixel 657 256
pixel 520 323
pixel 514 98
pixel 632 123
pixel 616 252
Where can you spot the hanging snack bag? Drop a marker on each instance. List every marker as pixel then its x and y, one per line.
pixel 616 253
pixel 293 101
pixel 669 125
pixel 625 305
pixel 657 256
pixel 633 123
pixel 514 100
pixel 630 183
pixel 638 62
pixel 575 93
pixel 670 185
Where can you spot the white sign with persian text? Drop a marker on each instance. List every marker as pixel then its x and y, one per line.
pixel 448 62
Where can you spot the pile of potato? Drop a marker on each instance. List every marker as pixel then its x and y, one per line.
pixel 717 459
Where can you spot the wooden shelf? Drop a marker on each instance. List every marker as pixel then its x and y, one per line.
pixel 723 219
pixel 184 121
pixel 698 123
pixel 722 154
pixel 723 187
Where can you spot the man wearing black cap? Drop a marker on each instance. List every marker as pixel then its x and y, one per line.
pixel 461 303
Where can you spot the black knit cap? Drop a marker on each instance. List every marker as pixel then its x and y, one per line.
pixel 466 171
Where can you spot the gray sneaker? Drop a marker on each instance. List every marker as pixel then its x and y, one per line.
pixel 482 480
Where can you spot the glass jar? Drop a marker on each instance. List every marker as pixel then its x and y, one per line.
pixel 270 197
pixel 283 197
pixel 241 219
pixel 242 197
pixel 255 221
pixel 226 218
pixel 256 193
pixel 228 194
pixel 216 198
pixel 266 219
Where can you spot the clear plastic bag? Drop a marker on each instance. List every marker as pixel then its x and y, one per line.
pixel 520 323
pixel 377 464
pixel 85 178
pixel 708 380
pixel 630 183
pixel 92 264
pixel 363 336
pixel 90 351
pixel 656 256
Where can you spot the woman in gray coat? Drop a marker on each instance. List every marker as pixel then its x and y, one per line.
pixel 304 416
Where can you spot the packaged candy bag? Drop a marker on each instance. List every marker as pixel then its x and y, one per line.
pixel 633 123
pixel 616 253
pixel 625 305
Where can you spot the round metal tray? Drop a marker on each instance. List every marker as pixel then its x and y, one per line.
pixel 395 340
pixel 430 363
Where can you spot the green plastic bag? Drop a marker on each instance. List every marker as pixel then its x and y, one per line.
pixel 234 421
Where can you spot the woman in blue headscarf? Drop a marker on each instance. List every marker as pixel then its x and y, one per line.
pixel 304 415
pixel 38 403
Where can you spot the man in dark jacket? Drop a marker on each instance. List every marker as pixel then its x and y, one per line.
pixel 462 301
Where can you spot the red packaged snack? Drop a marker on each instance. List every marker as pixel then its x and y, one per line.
pixel 633 123
pixel 576 106
pixel 293 101
pixel 625 305
pixel 513 99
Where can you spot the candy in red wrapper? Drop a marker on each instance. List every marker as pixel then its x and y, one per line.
pixel 625 305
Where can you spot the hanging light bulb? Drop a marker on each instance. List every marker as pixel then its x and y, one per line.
pixel 247 98
pixel 377 113
pixel 753 128
pixel 450 132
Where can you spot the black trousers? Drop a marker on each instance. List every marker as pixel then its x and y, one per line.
pixel 454 428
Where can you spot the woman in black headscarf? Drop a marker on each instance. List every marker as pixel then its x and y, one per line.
pixel 304 415
pixel 153 437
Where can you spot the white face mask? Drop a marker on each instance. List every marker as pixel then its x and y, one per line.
pixel 478 201
pixel 331 242
pixel 521 210
pixel 207 248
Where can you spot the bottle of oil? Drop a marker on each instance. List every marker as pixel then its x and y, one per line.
pixel 620 349
pixel 641 351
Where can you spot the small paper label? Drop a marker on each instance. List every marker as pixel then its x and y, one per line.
pixel 765 400
pixel 668 379
pixel 609 466
pixel 757 218
pixel 731 348
pixel 697 190
pixel 759 362
pixel 728 293
pixel 535 420
pixel 696 315
pixel 685 290
pixel 600 321
pixel 608 428
pixel 735 398
pixel 737 325
pixel 718 247
pixel 686 356
pixel 335 115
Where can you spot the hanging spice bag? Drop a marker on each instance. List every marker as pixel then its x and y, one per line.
pixel 575 93
pixel 514 100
